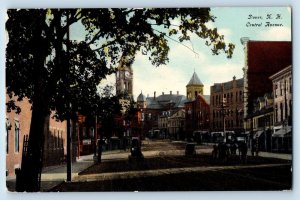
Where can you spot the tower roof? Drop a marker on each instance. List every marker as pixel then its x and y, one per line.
pixel 195 80
pixel 141 98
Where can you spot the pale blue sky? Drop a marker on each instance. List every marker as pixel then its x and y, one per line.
pixel 232 23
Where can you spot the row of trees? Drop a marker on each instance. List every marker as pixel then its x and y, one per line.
pixel 60 75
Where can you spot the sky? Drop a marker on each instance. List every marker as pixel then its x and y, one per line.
pixel 230 22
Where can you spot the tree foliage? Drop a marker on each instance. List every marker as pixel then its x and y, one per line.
pixel 72 76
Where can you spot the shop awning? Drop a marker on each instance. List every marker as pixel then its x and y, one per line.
pixel 282 132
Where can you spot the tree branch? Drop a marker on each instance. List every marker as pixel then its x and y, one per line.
pixel 191 49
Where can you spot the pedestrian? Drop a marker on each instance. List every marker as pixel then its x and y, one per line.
pixel 243 152
pixel 257 146
pixel 101 142
pixel 253 147
pixel 233 148
pixel 125 144
pixel 215 152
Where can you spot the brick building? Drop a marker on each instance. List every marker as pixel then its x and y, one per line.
pixel 227 99
pixel 156 110
pixel 282 90
pixel 196 107
pixel 283 107
pixel 18 125
pixel 262 59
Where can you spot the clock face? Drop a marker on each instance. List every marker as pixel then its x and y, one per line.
pixel 127 74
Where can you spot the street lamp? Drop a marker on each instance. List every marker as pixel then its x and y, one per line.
pixel 223 113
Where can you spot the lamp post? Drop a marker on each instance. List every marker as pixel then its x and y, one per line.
pixel 95 136
pixel 223 113
pixel 69 147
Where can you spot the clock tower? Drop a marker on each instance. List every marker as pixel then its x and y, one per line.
pixel 124 80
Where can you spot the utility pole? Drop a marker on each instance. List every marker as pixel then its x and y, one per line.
pixel 69 147
pixel 223 112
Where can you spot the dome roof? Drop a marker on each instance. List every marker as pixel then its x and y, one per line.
pixel 195 80
pixel 141 97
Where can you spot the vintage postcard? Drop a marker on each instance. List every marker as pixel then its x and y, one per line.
pixel 149 99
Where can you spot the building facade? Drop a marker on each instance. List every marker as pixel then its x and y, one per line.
pixel 262 59
pixel 196 107
pixel 282 90
pixel 156 111
pixel 226 105
pixel 18 126
pixel 283 107
pixel 176 125
pixel 197 115
pixel 261 123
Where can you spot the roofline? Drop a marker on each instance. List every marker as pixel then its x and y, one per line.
pixel 283 71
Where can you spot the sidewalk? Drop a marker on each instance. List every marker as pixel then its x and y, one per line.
pixel 55 175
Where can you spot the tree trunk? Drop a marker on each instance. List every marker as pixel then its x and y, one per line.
pixel 32 159
pixel 32 166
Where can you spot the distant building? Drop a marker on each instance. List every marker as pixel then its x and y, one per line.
pixel 124 80
pixel 124 89
pixel 196 107
pixel 156 110
pixel 194 87
pixel 176 124
pixel 226 104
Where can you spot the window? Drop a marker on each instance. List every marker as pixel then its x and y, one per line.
pixel 281 112
pixel 54 139
pixel 8 127
pixel 17 136
pixel 7 140
pixel 241 96
pixel 276 113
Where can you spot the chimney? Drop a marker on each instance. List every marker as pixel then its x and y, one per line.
pixel 163 93
pixel 170 92
pixel 154 94
pixel 244 40
pixel 177 92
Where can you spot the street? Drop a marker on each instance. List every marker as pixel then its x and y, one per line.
pixel 165 168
